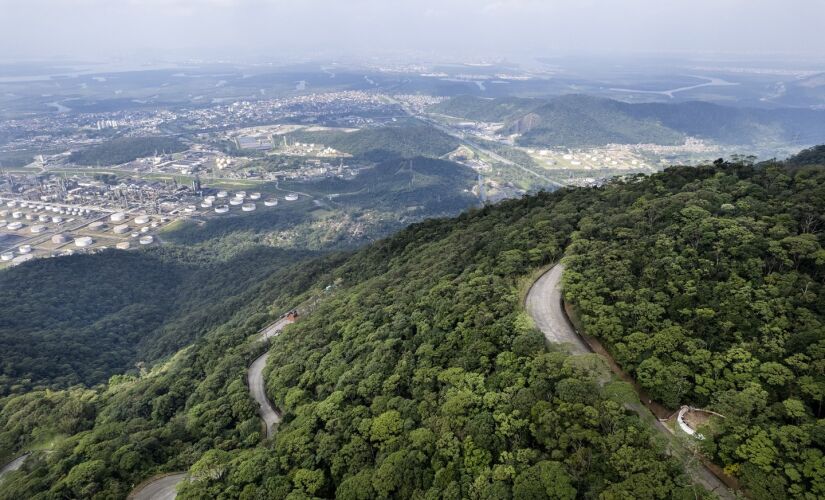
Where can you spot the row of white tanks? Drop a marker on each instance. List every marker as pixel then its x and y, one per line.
pixel 48 208
pixel 239 199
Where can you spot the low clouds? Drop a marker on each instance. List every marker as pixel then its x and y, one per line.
pixel 221 28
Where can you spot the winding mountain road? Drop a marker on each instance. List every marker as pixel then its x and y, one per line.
pixel 255 379
pixel 165 488
pixel 13 465
pixel 545 305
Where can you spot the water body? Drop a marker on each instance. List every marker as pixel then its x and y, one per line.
pixel 302 85
pixel 711 82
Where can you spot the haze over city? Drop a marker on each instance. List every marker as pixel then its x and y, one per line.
pixel 280 29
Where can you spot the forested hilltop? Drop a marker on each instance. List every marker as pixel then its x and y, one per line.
pixel 420 376
pixel 708 285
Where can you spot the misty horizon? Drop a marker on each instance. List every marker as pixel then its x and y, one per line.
pixel 277 30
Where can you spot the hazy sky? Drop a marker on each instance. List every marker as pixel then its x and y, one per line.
pixel 283 28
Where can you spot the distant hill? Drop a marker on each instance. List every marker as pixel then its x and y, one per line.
pixel 485 109
pixel 579 120
pixel 125 149
pixel 385 143
pixel 810 156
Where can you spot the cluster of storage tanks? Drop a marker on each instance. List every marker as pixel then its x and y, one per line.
pixel 222 201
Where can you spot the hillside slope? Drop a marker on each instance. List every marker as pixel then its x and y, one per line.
pixel 418 374
pixel 579 120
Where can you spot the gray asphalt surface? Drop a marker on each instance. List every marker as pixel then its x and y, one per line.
pixel 164 488
pixel 544 305
pixel 13 465
pixel 255 379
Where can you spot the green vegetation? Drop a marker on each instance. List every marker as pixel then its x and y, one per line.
pixel 419 376
pixel 579 120
pixel 485 110
pixel 416 376
pixel 126 149
pixel 378 201
pixel 83 318
pixel 810 156
pixel 576 120
pixel 707 285
pixel 385 143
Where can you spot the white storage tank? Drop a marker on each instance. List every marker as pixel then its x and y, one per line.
pixel 146 240
pixel 40 228
pixel 83 242
pixel 14 226
pixel 6 256
pixel 291 197
pixel 43 218
pixel 123 245
pixel 60 239
pixel 121 229
pixel 97 225
pixel 25 249
pixel 57 219
pixel 255 196
pixel 221 194
pixel 221 209
pixel 117 217
pixel 236 201
pixel 142 219
pixel 248 207
pixel 271 202
pixel 17 215
pixel 240 194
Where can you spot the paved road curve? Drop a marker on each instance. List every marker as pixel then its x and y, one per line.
pixel 255 379
pixel 164 488
pixel 544 305
pixel 13 465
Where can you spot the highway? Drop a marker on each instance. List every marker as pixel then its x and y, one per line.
pixel 545 306
pixel 165 488
pixel 472 144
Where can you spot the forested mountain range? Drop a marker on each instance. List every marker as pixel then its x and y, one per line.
pixel 420 375
pixel 579 120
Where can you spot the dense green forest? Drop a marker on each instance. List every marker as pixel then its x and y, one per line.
pixel 385 143
pixel 580 120
pixel 125 149
pixel 707 285
pixel 83 318
pixel 420 376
